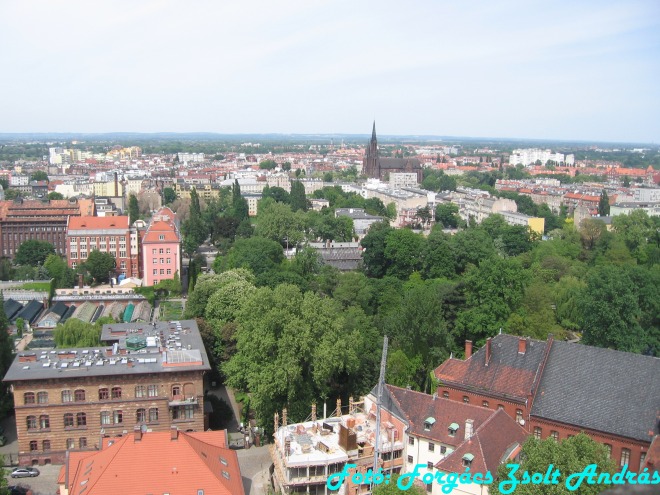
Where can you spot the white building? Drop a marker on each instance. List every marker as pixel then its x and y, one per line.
pixel 530 156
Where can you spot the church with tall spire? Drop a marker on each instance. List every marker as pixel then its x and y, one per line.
pixel 373 166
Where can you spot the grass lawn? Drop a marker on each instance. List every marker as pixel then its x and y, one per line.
pixel 41 286
pixel 171 310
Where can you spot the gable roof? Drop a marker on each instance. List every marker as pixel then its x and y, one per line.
pixel 600 389
pixel 158 464
pixel 496 439
pixel 417 407
pixel 98 223
pixel 12 308
pixel 508 373
pixel 158 228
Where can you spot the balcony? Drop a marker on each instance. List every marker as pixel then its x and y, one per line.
pixel 181 400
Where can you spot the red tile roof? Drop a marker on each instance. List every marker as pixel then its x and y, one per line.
pixel 98 223
pixel 158 464
pixel 156 229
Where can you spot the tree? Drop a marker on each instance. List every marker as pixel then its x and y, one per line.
pixel 446 214
pixel 279 194
pixel 169 195
pixel 58 269
pixel 392 488
pixel 569 456
pixel 279 223
pixel 39 175
pixel 286 166
pixel 373 256
pixel 374 206
pixel 626 181
pixel 239 205
pixel 603 204
pixel 133 208
pixel 77 333
pixel 438 257
pixel 100 265
pixel 54 195
pixel 298 197
pixel 402 249
pixel 257 254
pixel 33 252
pixel 610 310
pixel 268 164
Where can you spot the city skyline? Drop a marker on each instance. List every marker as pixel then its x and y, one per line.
pixel 512 70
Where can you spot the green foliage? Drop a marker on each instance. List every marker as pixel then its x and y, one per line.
pixel 53 195
pixel 277 193
pixel 402 248
pixel 58 269
pixel 33 252
pixel 268 164
pixel 239 205
pixel 393 489
pixel 77 333
pixel 278 222
pixel 133 208
pixel 39 175
pixel 257 254
pixel 171 286
pixel 208 284
pixel 169 195
pixel 298 197
pixel 569 456
pixel 603 204
pixel 446 214
pixel 100 265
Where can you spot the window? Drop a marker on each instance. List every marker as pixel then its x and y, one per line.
pixel 162 261
pixel 81 419
pixel 519 416
pixel 169 271
pixel 152 390
pixel 116 392
pixel 445 394
pixel 105 417
pixel 31 422
pixel 118 417
pixel 46 445
pixel 608 447
pixel 168 251
pixel 169 261
pixel 452 429
pixel 466 399
pixel 82 442
pixel 28 398
pixel 68 420
pixel 104 394
pixel 153 251
pixel 70 443
pixel 160 251
pixel 141 415
pixel 44 422
pixel 625 457
pixel 153 414
pixel 155 261
pixel 443 449
pixel 161 238
pixel 484 403
pixel 411 440
pixel 537 433
pixel 642 458
pixel 140 391
pixel 79 395
pixel 162 271
pixel 155 271
pixel 183 412
pixel 176 390
pixel 429 465
pixel 431 447
pixel 500 406
pixel 554 435
pixel 429 487
pixel 33 445
pixel 410 459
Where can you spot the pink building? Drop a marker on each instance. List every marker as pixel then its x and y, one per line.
pixel 161 248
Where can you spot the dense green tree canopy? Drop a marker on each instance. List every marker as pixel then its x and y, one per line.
pixel 33 252
pixel 100 265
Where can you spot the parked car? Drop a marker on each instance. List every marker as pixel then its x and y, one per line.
pixel 28 472
pixel 17 490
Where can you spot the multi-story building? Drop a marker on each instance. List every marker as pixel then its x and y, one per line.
pixel 146 376
pixel 104 234
pixel 22 220
pixel 532 155
pixel 548 387
pixel 161 248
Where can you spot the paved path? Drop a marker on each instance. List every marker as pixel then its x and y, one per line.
pixel 22 344
pixel 44 484
pixel 255 463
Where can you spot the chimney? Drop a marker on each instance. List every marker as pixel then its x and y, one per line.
pixel 80 281
pixel 313 411
pixel 284 417
pixel 488 350
pixel 174 433
pixel 350 405
pixel 137 433
pixel 468 349
pixel 338 407
pixel 276 421
pixel 469 428
pixel 522 345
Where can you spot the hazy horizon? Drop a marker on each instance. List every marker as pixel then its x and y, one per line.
pixel 520 70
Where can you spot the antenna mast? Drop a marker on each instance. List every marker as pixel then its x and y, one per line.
pixel 379 401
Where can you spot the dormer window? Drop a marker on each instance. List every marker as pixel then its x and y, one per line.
pixel 428 423
pixel 453 428
pixel 467 459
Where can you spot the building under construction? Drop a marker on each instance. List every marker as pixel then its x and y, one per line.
pixel 305 454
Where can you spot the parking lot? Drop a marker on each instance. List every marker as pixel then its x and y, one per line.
pixel 44 484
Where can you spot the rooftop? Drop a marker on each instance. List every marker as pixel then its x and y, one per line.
pixel 162 347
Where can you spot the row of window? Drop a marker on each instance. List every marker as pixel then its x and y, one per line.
pixel 160 251
pixel 96 239
pixel 163 261
pixel 79 420
pixel 70 444
pixel 162 272
pixel 79 395
pixel 625 453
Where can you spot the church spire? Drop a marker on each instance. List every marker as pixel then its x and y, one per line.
pixel 373 133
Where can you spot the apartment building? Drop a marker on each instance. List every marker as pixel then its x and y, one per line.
pixel 161 248
pixel 110 234
pixel 149 376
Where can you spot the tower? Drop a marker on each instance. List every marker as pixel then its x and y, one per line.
pixel 370 163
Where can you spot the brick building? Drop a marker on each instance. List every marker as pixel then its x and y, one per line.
pixel 559 389
pixel 146 376
pixel 107 235
pixel 22 220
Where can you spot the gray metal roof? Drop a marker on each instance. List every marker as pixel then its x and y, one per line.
pixel 171 347
pixel 600 389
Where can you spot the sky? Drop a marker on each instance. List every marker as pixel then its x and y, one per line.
pixel 569 70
